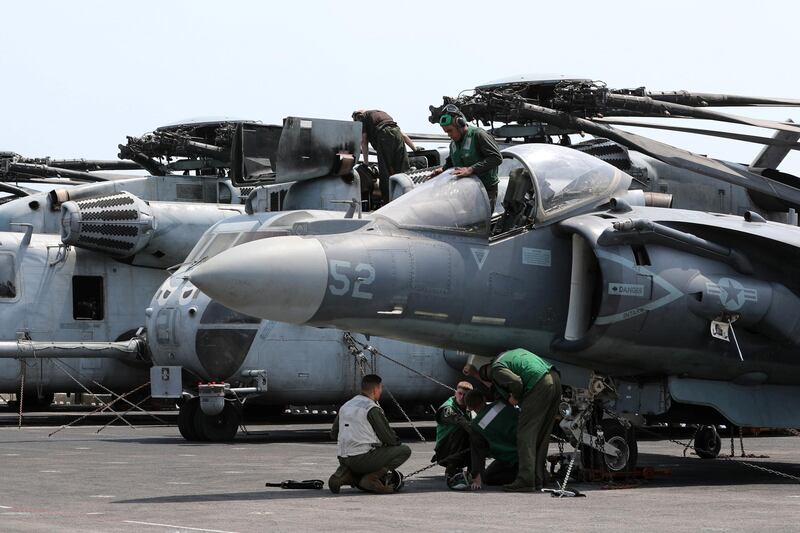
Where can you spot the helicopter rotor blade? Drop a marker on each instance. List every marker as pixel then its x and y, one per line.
pixel 671 155
pixel 757 139
pixel 720 100
pixel 48 172
pixel 12 190
pixel 649 105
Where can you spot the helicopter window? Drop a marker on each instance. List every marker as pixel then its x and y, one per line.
pixel 220 242
pixel 216 313
pixel 164 324
pixel 223 241
pixel 87 297
pixel 222 351
pixel 201 244
pixel 8 276
pixel 249 236
pixel 444 202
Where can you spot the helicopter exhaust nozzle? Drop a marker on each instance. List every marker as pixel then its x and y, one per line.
pixel 119 224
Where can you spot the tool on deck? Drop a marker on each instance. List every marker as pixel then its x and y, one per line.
pixel 316 484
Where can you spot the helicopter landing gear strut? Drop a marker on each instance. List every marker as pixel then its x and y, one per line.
pixel 215 414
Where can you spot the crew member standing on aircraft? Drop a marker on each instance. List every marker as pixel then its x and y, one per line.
pixel 452 432
pixel 494 434
pixel 473 152
pixel 380 130
pixel 368 448
pixel 527 380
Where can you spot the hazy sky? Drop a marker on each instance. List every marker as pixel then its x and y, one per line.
pixel 76 77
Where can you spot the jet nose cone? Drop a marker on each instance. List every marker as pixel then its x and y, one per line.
pixel 279 278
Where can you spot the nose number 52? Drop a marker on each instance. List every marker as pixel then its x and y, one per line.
pixel 341 281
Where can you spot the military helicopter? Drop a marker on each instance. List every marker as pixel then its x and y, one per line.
pixel 217 359
pixel 70 299
pixel 649 312
pixel 96 248
pixel 238 359
pixel 553 108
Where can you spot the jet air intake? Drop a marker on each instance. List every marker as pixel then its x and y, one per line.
pixel 119 224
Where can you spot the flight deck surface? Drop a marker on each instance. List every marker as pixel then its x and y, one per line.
pixel 149 479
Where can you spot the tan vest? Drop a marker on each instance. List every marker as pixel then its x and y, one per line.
pixel 356 435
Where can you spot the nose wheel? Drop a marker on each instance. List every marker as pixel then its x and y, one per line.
pixel 221 427
pixel 614 436
pixel 186 414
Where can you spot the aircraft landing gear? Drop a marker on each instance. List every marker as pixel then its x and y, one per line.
pixel 215 414
pixel 196 426
pixel 707 442
pixel 186 414
pixel 605 443
pixel 221 427
pixel 623 439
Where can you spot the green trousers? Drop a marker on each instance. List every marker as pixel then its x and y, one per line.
pixel 454 449
pixel 392 156
pixel 388 457
pixel 538 410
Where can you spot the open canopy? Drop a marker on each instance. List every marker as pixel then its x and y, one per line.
pixel 566 179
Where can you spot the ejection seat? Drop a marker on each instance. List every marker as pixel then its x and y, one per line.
pixel 519 202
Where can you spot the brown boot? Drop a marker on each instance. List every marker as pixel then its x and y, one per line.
pixel 342 476
pixel 373 482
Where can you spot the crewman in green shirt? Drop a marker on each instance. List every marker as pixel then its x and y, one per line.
pixel 380 130
pixel 367 447
pixel 494 434
pixel 527 380
pixel 473 152
pixel 452 432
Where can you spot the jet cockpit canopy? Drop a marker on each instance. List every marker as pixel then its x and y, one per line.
pixel 444 203
pixel 566 180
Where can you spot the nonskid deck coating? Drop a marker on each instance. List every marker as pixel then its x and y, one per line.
pixel 150 479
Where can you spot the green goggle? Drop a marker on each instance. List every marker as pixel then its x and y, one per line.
pixel 446 120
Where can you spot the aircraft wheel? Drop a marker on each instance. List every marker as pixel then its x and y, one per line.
pixel 186 415
pixel 218 428
pixel 707 442
pixel 622 438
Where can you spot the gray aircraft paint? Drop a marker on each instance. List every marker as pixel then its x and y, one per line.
pixel 304 364
pixel 433 270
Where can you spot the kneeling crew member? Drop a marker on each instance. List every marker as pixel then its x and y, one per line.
pixel 367 446
pixel 452 432
pixel 532 383
pixel 494 434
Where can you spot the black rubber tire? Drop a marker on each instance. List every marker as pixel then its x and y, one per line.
pixel 707 442
pixel 218 428
pixel 186 414
pixel 612 429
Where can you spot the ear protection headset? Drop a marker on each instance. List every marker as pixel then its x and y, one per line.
pixel 452 114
